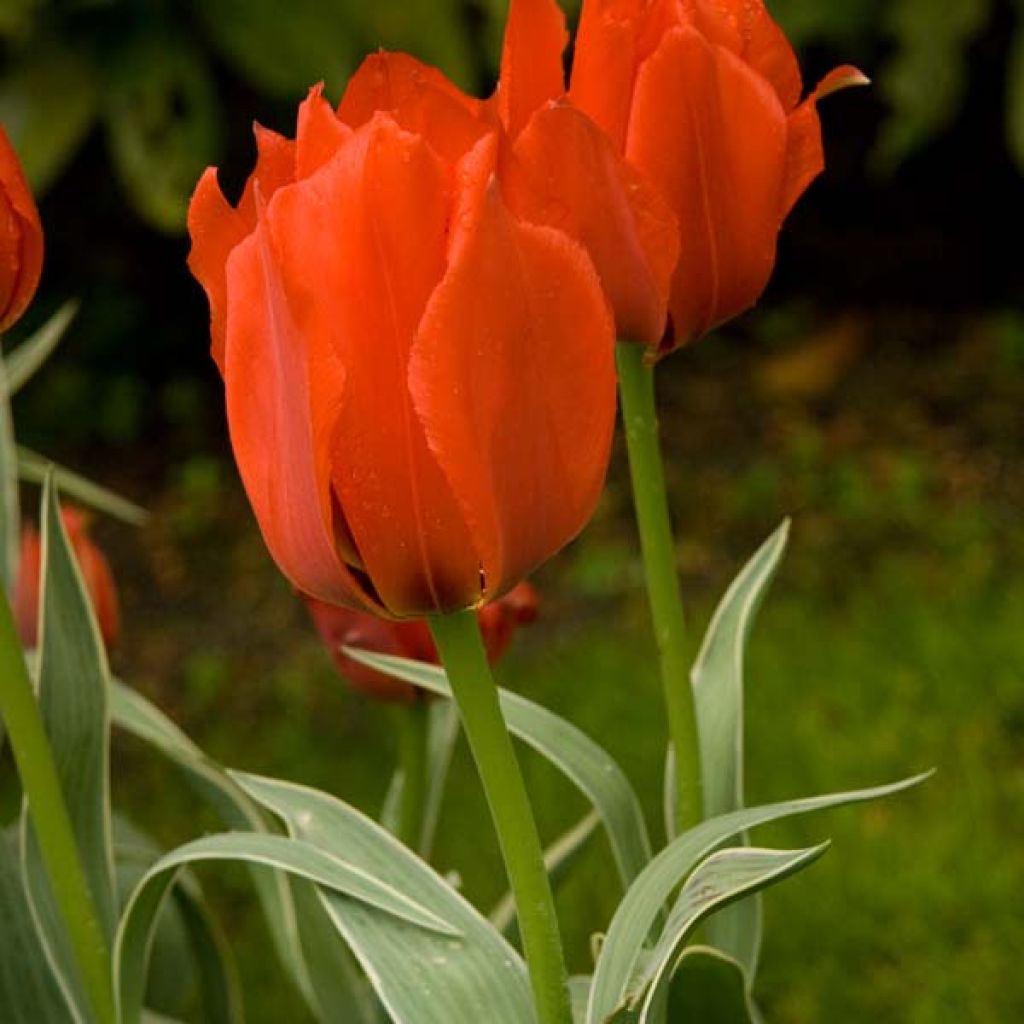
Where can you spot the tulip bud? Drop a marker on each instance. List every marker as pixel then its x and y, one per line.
pixel 342 627
pixel 99 582
pixel 21 238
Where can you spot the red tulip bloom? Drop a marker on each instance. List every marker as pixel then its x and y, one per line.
pixel 419 379
pixel 704 99
pixel 343 627
pixel 96 574
pixel 21 237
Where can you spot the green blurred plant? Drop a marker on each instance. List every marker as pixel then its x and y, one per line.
pixel 145 72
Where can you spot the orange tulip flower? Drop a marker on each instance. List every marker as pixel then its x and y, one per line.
pixel 21 238
pixel 704 99
pixel 96 574
pixel 419 379
pixel 343 627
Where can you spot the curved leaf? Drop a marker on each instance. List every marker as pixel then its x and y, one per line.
pixel 709 987
pixel 293 856
pixel 568 748
pixel 724 877
pixel 307 943
pixel 420 977
pixel 623 947
pixel 718 693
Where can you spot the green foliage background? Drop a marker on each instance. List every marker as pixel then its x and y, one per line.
pixel 146 71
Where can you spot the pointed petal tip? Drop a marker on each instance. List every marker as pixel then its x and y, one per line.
pixel 844 77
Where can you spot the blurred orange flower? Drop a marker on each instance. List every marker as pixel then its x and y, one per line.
pixel 21 237
pixel 343 627
pixel 99 581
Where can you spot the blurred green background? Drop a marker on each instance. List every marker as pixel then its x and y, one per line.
pixel 875 395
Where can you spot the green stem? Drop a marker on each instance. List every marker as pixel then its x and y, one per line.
pixel 41 785
pixel 458 640
pixel 650 499
pixel 411 732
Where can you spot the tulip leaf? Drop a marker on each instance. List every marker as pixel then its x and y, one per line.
pixel 33 468
pixel 72 682
pixel 709 987
pixel 722 878
pixel 48 103
pixel 623 949
pixel 306 941
pixel 568 748
pixel 31 354
pixel 718 693
pixel 420 977
pixel 29 993
pixel 162 118
pixel 579 993
pixel 557 858
pixel 189 952
pixel 293 856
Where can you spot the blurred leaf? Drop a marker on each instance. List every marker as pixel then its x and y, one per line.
pixel 294 856
pixel 840 23
pixel 48 102
pixel 314 955
pixel 28 990
pixel 16 17
pixel 557 858
pixel 72 682
pixel 34 468
pixel 925 80
pixel 718 692
pixel 623 949
pixel 1015 91
pixel 569 749
pixel 421 977
pixel 285 51
pixel 709 987
pixel 162 118
pixel 32 353
pixel 722 878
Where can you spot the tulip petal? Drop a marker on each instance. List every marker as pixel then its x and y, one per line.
pixel 747 29
pixel 710 133
pixel 21 237
pixel 216 227
pixel 362 245
pixel 576 181
pixel 805 159
pixel 419 98
pixel 605 63
pixel 320 133
pixel 531 61
pixel 280 392
pixel 521 324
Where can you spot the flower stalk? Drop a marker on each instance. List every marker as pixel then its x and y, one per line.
pixel 650 500
pixel 458 641
pixel 411 722
pixel 41 785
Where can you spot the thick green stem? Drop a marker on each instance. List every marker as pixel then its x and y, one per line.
pixel 650 499
pixel 411 732
pixel 462 652
pixel 46 805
